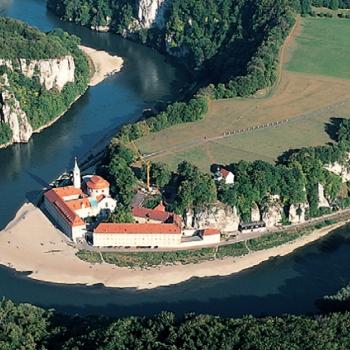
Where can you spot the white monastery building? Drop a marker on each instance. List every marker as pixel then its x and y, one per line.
pixel 137 235
pixel 224 175
pixel 153 228
pixel 69 205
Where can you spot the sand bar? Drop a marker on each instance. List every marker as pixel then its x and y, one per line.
pixel 31 243
pixel 103 64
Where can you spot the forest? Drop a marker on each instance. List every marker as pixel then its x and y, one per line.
pixel 236 44
pixel 24 326
pixel 18 40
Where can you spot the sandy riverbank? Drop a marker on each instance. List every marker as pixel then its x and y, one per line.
pixel 31 243
pixel 103 64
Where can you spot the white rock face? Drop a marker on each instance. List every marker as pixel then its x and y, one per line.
pixel 52 73
pixel 272 214
pixel 222 218
pixel 12 114
pixel 255 215
pixel 102 29
pixel 151 13
pixel 297 213
pixel 341 170
pixel 322 201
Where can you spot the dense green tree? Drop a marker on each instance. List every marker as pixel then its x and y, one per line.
pixel 160 174
pixel 122 179
pixel 23 326
pixel 27 327
pixel 122 214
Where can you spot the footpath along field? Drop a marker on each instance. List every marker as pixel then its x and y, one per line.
pixel 314 87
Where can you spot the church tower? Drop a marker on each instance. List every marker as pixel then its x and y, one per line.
pixel 76 175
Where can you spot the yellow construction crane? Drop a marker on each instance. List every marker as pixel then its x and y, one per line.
pixel 147 164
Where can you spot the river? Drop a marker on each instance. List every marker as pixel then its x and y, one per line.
pixel 282 285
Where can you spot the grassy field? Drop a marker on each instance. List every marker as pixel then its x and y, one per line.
pixel 323 48
pixel 310 93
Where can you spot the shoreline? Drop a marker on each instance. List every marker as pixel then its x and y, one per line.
pixel 103 64
pixel 30 242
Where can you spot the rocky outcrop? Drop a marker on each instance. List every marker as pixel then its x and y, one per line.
pixel 220 217
pixel 53 73
pixel 152 13
pixel 272 213
pixel 322 200
pixel 105 28
pixel 340 169
pixel 297 213
pixel 12 114
pixel 255 213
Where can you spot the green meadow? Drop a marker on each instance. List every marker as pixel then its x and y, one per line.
pixel 322 48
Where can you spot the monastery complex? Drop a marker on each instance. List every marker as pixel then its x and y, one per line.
pixel 81 210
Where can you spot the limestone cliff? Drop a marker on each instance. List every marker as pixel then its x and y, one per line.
pixel 255 213
pixel 221 217
pixel 52 73
pixel 272 212
pixel 12 114
pixel 297 213
pixel 341 169
pixel 322 200
pixel 152 12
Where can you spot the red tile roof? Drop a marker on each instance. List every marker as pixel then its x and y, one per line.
pixel 63 209
pixel 160 207
pixel 97 183
pixel 77 204
pixel 137 228
pixel 68 191
pixel 100 197
pixel 224 172
pixel 151 214
pixel 211 231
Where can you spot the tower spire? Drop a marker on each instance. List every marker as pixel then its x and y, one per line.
pixel 76 174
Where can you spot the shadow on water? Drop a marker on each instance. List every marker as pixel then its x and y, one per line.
pixel 289 284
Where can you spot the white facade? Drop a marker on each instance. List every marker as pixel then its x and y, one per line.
pixel 73 232
pixel 161 240
pixel 229 179
pixel 98 192
pixel 205 241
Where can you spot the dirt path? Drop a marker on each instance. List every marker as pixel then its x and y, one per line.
pixel 283 59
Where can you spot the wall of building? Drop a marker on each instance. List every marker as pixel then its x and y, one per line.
pixel 78 232
pixel 56 216
pixel 207 240
pixel 107 204
pixel 137 240
pixel 95 193
pixel 72 232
